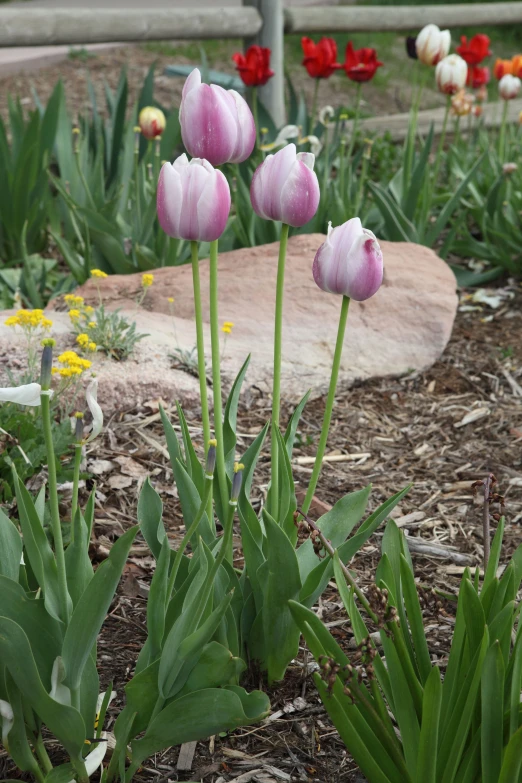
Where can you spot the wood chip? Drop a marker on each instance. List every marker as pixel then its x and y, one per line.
pixel 472 416
pixel 186 756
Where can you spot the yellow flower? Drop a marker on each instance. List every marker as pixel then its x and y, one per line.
pixel 92 346
pixel 229 324
pixel 74 364
pixel 226 329
pixel 83 340
pixel 98 273
pixel 170 300
pixel 147 280
pixel 29 320
pixel 74 314
pixel 73 301
pixel 91 324
pixel 88 310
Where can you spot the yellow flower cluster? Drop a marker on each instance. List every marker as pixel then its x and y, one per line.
pixel 85 342
pixel 98 273
pixel 227 327
pixel 147 280
pixel 73 301
pixel 29 320
pixel 73 364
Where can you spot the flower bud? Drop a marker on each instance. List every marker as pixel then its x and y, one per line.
pixel 211 459
pixel 432 44
pixel 152 122
pixel 285 187
pixel 350 262
pixel 451 74
pixel 236 482
pixel 47 363
pixel 509 87
pixel 193 200
pixel 78 426
pixel 216 124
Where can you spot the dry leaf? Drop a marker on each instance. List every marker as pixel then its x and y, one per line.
pixel 472 416
pixel 130 467
pixel 120 482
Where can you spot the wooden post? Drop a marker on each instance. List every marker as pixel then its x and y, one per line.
pixel 272 95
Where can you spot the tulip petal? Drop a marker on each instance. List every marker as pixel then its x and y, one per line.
pixel 364 267
pixel 96 411
pixel 246 129
pixel 7 715
pixel 213 207
pixel 193 183
pixel 300 194
pixel 28 394
pixel 208 125
pixel 169 198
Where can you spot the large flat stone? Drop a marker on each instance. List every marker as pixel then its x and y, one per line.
pixel 405 327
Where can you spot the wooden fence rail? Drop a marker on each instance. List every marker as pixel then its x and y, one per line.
pixel 263 21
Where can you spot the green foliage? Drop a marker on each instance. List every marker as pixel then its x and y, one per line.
pixel 465 727
pixel 112 333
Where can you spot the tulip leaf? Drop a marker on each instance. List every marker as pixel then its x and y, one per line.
pixel 494 557
pixel 90 611
pixel 414 613
pixel 77 562
pixel 191 463
pixel 62 774
pixel 156 604
pixel 492 701
pixel 230 418
pixel 10 548
pixel 150 518
pixel 431 704
pixel 287 499
pixel 19 748
pixel 282 584
pixel 65 722
pixel 199 715
pixel 43 632
pixel 512 763
pixel 291 430
pixel 39 552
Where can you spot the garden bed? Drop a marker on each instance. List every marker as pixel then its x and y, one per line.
pixel 404 430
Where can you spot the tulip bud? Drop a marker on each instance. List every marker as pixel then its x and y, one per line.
pixel 193 200
pixel 509 87
pixel 216 124
pixel 236 482
pixel 451 74
pixel 152 122
pixel 47 363
pixel 78 426
pixel 432 44
pixel 285 187
pixel 211 459
pixel 349 262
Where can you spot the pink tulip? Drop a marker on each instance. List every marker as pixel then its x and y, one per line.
pixel 285 187
pixel 193 200
pixel 216 124
pixel 349 262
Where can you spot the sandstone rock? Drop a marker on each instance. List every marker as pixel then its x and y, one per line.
pixel 405 327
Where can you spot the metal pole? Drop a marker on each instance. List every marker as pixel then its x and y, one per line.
pixel 271 35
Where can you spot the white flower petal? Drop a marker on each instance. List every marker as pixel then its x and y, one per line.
pixel 29 394
pixel 96 411
pixel 6 711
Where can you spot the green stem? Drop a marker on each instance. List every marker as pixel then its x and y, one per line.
pixel 314 107
pixel 216 376
pixel 329 405
pixel 342 152
pixel 82 178
pixel 276 392
pixel 137 186
pixel 412 133
pixel 440 148
pixel 188 535
pixel 76 481
pixel 502 137
pixel 202 370
pixel 41 752
pixel 53 502
pixel 355 126
pixel 362 183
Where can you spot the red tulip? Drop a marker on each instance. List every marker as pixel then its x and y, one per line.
pixel 476 50
pixel 478 76
pixel 320 59
pixel 254 66
pixel 360 64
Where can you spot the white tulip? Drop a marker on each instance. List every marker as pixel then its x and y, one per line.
pixel 451 74
pixel 432 44
pixel 28 394
pixel 509 87
pixel 7 715
pixel 96 411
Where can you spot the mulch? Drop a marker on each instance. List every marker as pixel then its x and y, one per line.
pixel 441 430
